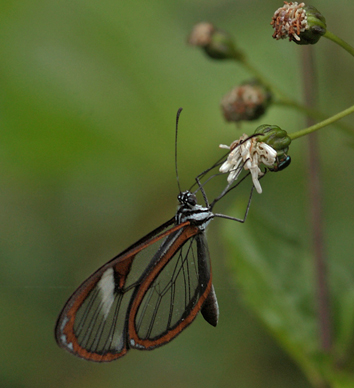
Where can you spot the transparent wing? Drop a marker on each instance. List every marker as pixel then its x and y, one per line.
pixel 173 292
pixel 142 298
pixel 93 322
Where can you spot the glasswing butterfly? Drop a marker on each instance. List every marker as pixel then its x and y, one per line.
pixel 145 296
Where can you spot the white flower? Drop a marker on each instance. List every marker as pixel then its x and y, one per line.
pixel 247 153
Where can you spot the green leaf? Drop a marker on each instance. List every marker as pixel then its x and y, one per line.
pixel 274 270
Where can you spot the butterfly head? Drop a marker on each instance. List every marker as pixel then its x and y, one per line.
pixel 189 210
pixel 187 199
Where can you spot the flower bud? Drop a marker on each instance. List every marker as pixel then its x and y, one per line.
pixel 279 140
pixel 247 102
pixel 216 43
pixel 301 23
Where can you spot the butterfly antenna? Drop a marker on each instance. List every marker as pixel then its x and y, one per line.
pixel 177 119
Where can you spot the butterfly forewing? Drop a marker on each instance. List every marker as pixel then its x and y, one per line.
pixel 153 290
pixel 99 324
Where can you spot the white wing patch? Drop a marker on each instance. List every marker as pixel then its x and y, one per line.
pixel 106 286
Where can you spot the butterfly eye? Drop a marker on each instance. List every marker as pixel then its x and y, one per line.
pixel 192 200
pixel 187 198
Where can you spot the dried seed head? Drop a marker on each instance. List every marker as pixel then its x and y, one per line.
pixel 298 22
pixel 247 102
pixel 201 34
pixel 216 43
pixel 289 20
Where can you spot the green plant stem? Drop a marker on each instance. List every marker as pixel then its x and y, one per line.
pixel 283 98
pixel 262 79
pixel 315 114
pixel 302 108
pixel 334 38
pixel 322 124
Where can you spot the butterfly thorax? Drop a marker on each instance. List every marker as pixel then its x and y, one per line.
pixel 189 210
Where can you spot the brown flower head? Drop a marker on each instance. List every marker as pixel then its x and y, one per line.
pixel 246 102
pixel 300 23
pixel 201 34
pixel 216 43
pixel 289 21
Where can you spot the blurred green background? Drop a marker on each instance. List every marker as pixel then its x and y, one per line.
pixel 89 92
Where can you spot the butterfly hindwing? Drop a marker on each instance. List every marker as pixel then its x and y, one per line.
pixel 174 291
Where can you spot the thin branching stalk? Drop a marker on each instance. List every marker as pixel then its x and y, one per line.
pixel 334 38
pixel 316 209
pixel 322 124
